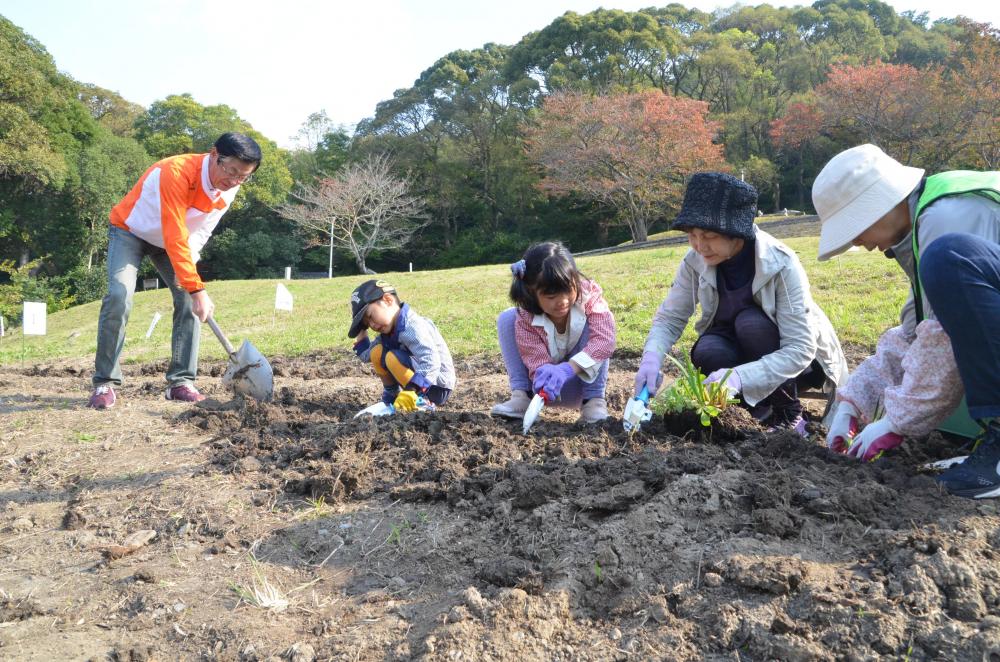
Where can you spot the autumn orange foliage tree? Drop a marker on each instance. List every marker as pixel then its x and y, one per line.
pixel 974 75
pixel 908 112
pixel 937 117
pixel 630 152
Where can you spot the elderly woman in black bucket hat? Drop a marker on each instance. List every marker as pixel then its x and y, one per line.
pixel 759 324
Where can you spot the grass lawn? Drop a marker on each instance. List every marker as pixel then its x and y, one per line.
pixel 760 220
pixel 860 292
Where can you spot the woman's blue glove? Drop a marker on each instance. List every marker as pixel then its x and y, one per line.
pixel 552 377
pixel 649 374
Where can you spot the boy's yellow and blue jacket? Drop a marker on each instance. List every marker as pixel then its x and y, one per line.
pixel 420 338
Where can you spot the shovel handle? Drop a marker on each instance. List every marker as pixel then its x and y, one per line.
pixel 221 336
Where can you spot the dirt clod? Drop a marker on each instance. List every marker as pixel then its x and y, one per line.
pixel 291 531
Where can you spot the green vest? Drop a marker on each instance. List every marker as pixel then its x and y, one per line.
pixel 955 182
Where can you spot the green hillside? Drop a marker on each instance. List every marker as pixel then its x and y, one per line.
pixel 860 292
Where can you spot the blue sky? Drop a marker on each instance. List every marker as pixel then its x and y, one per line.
pixel 277 62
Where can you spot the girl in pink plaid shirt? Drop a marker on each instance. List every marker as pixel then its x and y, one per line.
pixel 559 336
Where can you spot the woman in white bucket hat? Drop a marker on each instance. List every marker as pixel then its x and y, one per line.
pixel 944 231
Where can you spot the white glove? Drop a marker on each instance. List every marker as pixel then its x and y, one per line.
pixel 874 439
pixel 732 382
pixel 843 427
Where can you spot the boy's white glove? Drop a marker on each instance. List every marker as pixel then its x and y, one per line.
pixel 843 427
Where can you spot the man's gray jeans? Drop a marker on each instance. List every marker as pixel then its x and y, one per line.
pixel 125 252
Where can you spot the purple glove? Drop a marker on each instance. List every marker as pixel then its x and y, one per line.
pixel 552 377
pixel 732 382
pixel 649 374
pixel 875 438
pixel 843 427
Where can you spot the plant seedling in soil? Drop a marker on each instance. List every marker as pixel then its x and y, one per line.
pixel 598 573
pixel 261 594
pixel 396 533
pixel 690 393
pixel 317 509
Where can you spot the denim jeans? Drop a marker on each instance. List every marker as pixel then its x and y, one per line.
pixel 125 252
pixel 960 274
pixel 574 392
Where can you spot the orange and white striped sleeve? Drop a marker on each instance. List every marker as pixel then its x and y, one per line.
pixel 174 202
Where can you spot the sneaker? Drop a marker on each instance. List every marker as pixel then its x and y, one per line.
pixel 184 393
pixel 593 411
pixel 514 407
pixel 796 425
pixel 978 477
pixel 103 397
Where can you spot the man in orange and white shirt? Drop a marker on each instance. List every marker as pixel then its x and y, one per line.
pixel 168 215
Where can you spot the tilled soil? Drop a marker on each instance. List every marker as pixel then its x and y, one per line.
pixel 453 536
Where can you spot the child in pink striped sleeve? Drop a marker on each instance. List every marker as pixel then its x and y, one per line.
pixel 559 336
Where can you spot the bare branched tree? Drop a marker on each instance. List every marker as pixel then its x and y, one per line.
pixel 364 208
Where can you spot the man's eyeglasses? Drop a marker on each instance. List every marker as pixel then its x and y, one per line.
pixel 232 172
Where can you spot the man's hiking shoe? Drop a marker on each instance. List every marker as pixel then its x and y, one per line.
pixel 184 393
pixel 513 408
pixel 593 410
pixel 103 397
pixel 978 477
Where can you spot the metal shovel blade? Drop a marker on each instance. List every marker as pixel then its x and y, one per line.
pixel 637 411
pixel 532 412
pixel 941 465
pixel 249 373
pixel 377 409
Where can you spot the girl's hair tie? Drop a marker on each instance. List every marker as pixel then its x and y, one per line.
pixel 517 269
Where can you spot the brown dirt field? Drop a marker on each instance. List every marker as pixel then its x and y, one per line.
pixel 452 536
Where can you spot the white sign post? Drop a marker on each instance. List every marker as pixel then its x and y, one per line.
pixel 152 325
pixel 282 298
pixel 288 273
pixel 34 318
pixel 282 301
pixel 32 322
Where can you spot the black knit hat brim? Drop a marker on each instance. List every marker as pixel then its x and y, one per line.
pixel 718 202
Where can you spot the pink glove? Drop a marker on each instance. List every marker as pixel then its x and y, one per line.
pixel 875 438
pixel 552 377
pixel 649 374
pixel 843 427
pixel 732 382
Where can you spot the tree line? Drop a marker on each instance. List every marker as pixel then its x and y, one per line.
pixel 585 130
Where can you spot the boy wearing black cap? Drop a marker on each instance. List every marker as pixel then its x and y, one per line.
pixel 759 324
pixel 409 355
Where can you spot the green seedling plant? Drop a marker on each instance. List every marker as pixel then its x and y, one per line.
pixel 261 593
pixel 690 393
pixel 317 509
pixel 396 533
